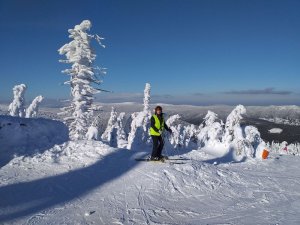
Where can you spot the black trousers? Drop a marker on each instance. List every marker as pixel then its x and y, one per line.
pixel 158 145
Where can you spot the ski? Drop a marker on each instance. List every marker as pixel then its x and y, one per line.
pixel 161 161
pixel 166 159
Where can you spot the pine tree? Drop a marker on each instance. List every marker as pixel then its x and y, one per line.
pixel 83 76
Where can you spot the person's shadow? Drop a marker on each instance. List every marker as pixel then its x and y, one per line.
pixel 26 198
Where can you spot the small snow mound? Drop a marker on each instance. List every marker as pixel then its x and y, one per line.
pixel 275 131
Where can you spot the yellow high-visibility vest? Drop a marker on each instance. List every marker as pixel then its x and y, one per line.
pixel 157 125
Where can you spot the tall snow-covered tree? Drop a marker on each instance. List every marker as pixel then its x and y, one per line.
pixel 139 133
pixel 147 98
pixel 232 125
pixel 83 75
pixel 110 124
pixel 16 108
pixel 33 108
pixel 121 135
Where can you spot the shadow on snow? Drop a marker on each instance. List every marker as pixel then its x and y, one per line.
pixel 26 198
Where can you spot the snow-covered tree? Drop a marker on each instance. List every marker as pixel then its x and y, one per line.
pixel 284 148
pixel 121 135
pixel 33 109
pixel 234 134
pixel 114 133
pixel 232 125
pixel 147 98
pixel 139 133
pixel 176 139
pixel 211 130
pixel 190 136
pixel 83 75
pixel 110 125
pixel 16 108
pixel 253 136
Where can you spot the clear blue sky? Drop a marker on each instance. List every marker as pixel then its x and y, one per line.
pixel 193 52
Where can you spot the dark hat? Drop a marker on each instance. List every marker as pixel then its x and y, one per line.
pixel 158 108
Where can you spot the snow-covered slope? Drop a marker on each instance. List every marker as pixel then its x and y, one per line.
pixel 88 182
pixel 26 136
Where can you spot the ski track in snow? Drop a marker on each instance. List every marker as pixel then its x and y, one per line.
pixel 103 185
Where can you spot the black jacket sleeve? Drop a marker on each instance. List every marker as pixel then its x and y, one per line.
pixel 167 128
pixel 153 124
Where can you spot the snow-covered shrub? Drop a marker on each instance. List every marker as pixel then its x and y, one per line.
pixel 33 109
pixel 95 129
pixel 92 133
pixel 190 136
pixel 183 136
pixel 173 123
pixel 210 131
pixel 253 137
pixel 234 140
pixel 139 134
pixel 16 108
pixel 284 148
pixel 83 75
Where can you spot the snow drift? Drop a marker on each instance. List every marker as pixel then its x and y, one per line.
pixel 27 136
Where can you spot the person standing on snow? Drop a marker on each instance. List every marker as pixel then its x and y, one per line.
pixel 156 130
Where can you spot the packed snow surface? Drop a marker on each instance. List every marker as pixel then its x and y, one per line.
pixel 88 182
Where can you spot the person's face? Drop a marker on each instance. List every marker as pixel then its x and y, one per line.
pixel 158 112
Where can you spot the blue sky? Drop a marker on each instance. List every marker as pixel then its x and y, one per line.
pixel 192 52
